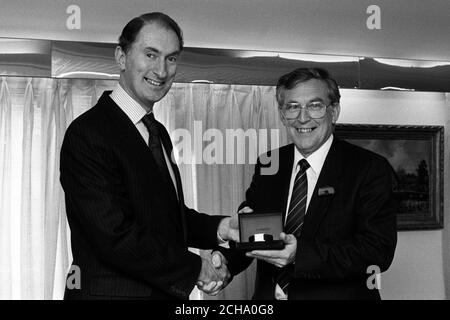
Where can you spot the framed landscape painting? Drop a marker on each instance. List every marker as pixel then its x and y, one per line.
pixel 416 154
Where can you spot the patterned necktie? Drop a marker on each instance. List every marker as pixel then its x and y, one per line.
pixel 295 217
pixel 297 207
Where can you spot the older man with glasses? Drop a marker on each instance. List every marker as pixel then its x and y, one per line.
pixel 336 200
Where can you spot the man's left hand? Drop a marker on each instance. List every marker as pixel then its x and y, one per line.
pixel 229 228
pixel 279 258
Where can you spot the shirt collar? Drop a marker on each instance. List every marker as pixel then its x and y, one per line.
pixel 132 109
pixel 317 158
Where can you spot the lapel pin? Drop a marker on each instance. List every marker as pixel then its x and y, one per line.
pixel 325 191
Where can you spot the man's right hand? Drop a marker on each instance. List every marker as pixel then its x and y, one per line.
pixel 214 274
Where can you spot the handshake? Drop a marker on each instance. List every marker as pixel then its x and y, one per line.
pixel 214 275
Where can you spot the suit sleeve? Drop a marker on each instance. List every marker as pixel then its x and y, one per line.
pixel 105 215
pixel 374 238
pixel 201 229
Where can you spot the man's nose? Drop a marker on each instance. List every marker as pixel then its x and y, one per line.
pixel 160 69
pixel 303 116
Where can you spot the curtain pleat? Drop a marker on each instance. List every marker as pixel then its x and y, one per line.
pixel 94 96
pixel 5 191
pixel 51 221
pixel 28 237
pixel 61 262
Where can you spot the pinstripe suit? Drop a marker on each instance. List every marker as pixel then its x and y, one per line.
pixel 130 236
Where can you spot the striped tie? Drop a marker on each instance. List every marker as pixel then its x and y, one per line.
pixel 295 216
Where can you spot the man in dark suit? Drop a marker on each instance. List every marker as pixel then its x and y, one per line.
pixel 129 225
pixel 336 200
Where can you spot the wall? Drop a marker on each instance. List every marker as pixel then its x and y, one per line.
pixel 421 261
pixel 409 28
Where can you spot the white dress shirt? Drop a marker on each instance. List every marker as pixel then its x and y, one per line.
pixel 136 112
pixel 316 161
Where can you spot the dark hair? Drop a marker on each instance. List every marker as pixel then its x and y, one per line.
pixel 131 30
pixel 292 79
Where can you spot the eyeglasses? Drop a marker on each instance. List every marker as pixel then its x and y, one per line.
pixel 316 110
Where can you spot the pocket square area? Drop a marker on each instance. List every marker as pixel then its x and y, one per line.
pixel 325 191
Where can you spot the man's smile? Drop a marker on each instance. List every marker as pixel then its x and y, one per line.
pixel 154 82
pixel 305 130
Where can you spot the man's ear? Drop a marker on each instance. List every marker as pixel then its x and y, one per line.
pixel 120 57
pixel 280 98
pixel 335 112
pixel 283 120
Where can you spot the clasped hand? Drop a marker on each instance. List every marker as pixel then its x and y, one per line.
pixel 214 275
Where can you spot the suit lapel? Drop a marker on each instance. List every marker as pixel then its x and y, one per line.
pixel 329 177
pixel 127 129
pixel 122 124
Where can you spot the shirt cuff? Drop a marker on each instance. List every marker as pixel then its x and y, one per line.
pixel 219 239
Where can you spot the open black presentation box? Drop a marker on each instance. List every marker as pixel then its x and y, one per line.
pixel 260 231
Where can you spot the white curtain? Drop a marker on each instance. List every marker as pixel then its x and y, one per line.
pixel 34 236
pixel 220 188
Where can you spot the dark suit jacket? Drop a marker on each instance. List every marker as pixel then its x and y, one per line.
pixel 130 235
pixel 343 233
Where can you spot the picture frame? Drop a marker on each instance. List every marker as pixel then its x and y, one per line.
pixel 416 154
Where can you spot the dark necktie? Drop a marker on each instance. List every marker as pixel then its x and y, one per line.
pixel 295 217
pixel 156 131
pixel 157 134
